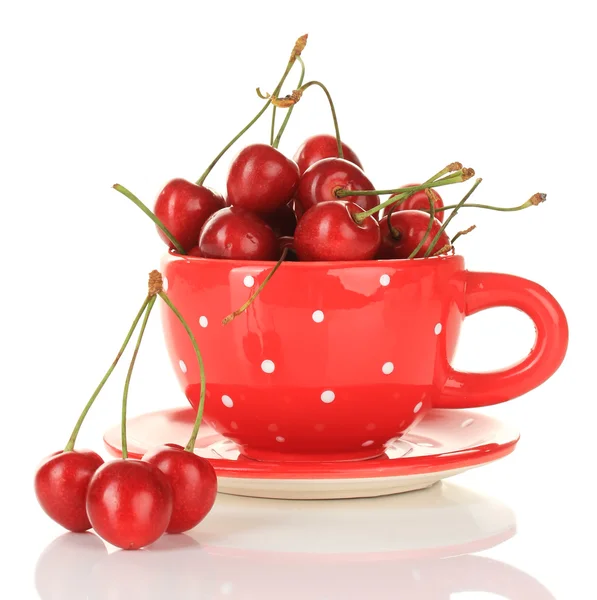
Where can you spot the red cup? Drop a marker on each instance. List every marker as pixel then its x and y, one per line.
pixel 334 359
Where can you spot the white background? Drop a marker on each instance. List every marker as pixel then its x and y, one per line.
pixel 140 92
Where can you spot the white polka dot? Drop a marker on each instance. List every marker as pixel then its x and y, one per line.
pixel 249 281
pixel 387 368
pixel 328 396
pixel 438 329
pixel 268 366
pixel 273 427
pixel 318 316
pixel 367 443
pixel 280 439
pixel 165 283
pixel 384 279
pixel 234 425
pixel 418 407
pixel 467 423
pixel 226 589
pixel 182 366
pixel 227 401
pixel 203 321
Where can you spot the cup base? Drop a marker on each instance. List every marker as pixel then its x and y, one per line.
pixel 310 457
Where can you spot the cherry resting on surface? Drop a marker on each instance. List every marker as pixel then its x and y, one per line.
pixel 320 182
pixel 193 481
pixel 328 231
pixel 61 483
pixel 183 207
pixel 129 503
pixel 410 228
pixel 321 146
pixel 261 179
pixel 236 233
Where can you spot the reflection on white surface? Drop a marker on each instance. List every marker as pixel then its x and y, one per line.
pixel 414 546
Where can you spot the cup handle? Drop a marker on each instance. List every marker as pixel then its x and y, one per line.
pixel 489 290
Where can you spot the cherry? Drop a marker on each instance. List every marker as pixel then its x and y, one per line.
pixel 321 146
pixel 129 503
pixel 321 181
pixel 328 231
pixel 410 227
pixel 61 483
pixel 420 201
pixel 282 220
pixel 287 241
pixel 261 179
pixel 193 481
pixel 183 207
pixel 195 252
pixel 236 233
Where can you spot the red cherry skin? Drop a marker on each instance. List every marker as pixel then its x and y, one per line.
pixel 183 207
pixel 194 252
pixel 282 220
pixel 287 241
pixel 323 145
pixel 321 180
pixel 261 179
pixel 236 233
pixel 328 231
pixel 411 226
pixel 129 503
pixel 193 481
pixel 419 201
pixel 61 483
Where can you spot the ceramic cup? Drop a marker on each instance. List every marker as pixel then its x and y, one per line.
pixel 334 359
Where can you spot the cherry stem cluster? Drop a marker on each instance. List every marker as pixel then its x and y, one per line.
pixel 276 142
pixel 299 46
pixel 429 226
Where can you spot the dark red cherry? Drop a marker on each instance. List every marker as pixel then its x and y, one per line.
pixel 194 251
pixel 410 227
pixel 287 241
pixel 321 146
pixel 236 233
pixel 328 231
pixel 261 179
pixel 184 207
pixel 321 181
pixel 282 220
pixel 419 201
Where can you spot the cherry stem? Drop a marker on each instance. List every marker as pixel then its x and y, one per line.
pixel 289 111
pixel 298 47
pixel 429 226
pixel 463 232
pixel 151 215
pixel 452 215
pixel 527 204
pixel 127 381
pixel 400 194
pixel 334 117
pixel 73 438
pixel 250 301
pixel 190 447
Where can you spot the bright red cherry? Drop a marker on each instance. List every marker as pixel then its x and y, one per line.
pixel 320 146
pixel 61 483
pixel 261 179
pixel 321 181
pixel 419 201
pixel 129 503
pixel 328 231
pixel 236 233
pixel 282 220
pixel 410 227
pixel 193 481
pixel 183 207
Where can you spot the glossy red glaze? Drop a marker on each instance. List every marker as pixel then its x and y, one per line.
pixel 61 483
pixel 261 179
pixel 419 201
pixel 328 231
pixel 193 481
pixel 183 207
pixel 129 503
pixel 282 220
pixel 321 146
pixel 237 233
pixel 286 380
pixel 410 227
pixel 321 180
